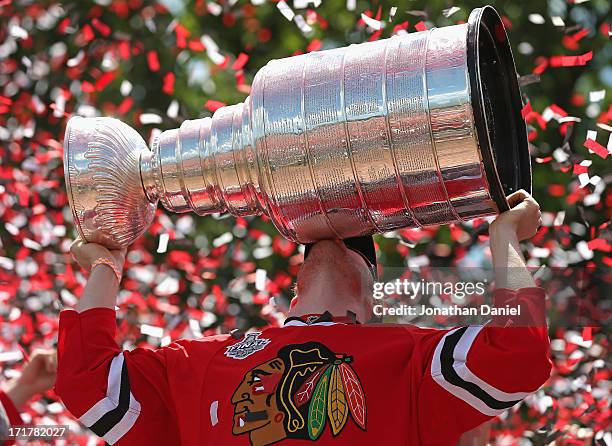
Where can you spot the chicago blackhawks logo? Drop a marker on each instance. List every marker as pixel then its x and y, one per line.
pixel 296 394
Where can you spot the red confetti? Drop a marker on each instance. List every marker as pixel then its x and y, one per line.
pixel 375 35
pixel 400 26
pixel 168 86
pixel 125 105
pixel 213 106
pixel 420 26
pixel 314 45
pixel 101 27
pixel 579 169
pixel 240 62
pixel 104 80
pixel 124 49
pixel 542 64
pixel 597 148
pixel 88 33
pixel 571 61
pixel 526 110
pixel 182 34
pixel 153 60
pixel 587 334
pixel 196 45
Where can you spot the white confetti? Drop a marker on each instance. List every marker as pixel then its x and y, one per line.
pixel 450 11
pixel 151 330
pixel 60 104
pixel 173 109
pixel 31 244
pixel 223 239
pixel 392 13
pixel 536 19
pixel 592 134
pixel 212 50
pixel 302 25
pixel 260 279
pixel 568 119
pixel 17 32
pixel 303 4
pixel 214 8
pixel 559 218
pixel 597 95
pixel 605 127
pixel 584 179
pixel 525 48
pixel 557 21
pixel 372 23
pixel 68 298
pixel 351 5
pixel 583 249
pixel 549 114
pixel 541 253
pixel 76 60
pixel 15 355
pixel 285 10
pixel 560 155
pixel 163 243
pixel 167 287
pixel 150 118
pixel 194 326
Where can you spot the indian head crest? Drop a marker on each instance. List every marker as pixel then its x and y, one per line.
pixel 304 390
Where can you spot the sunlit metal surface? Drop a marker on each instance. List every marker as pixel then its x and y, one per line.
pixel 340 143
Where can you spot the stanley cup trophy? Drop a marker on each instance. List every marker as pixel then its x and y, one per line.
pixel 414 130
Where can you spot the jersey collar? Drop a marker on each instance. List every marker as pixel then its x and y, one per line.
pixel 321 319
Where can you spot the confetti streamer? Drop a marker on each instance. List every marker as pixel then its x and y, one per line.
pixel 571 61
pixel 285 10
pixel 420 26
pixel 450 11
pixel 213 105
pixel 596 148
pixel 372 23
pixel 163 243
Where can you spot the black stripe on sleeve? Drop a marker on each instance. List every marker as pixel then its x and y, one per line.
pixel 110 419
pixel 451 376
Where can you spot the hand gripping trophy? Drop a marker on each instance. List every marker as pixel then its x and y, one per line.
pixel 414 130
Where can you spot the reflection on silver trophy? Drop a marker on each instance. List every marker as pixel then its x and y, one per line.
pixel 419 129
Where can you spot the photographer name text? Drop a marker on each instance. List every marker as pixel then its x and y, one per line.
pixel 451 310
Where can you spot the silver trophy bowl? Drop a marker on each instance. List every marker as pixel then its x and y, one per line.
pixel 415 130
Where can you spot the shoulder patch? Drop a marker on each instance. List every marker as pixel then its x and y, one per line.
pixel 250 344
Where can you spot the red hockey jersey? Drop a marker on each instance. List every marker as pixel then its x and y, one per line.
pixel 323 382
pixel 9 416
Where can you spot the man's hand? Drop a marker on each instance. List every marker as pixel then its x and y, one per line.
pixel 102 286
pixel 37 376
pixel 86 254
pixel 521 222
pixel 523 219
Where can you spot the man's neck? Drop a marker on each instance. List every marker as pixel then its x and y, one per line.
pixel 337 307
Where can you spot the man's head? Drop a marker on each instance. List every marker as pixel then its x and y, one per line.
pixel 337 279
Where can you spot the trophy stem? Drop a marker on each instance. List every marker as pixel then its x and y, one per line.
pixel 206 166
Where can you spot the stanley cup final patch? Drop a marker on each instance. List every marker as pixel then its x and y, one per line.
pixel 250 344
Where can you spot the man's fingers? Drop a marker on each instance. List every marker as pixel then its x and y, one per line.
pixel 517 197
pixel 51 363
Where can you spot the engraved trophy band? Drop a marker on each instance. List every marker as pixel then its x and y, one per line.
pixel 419 129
